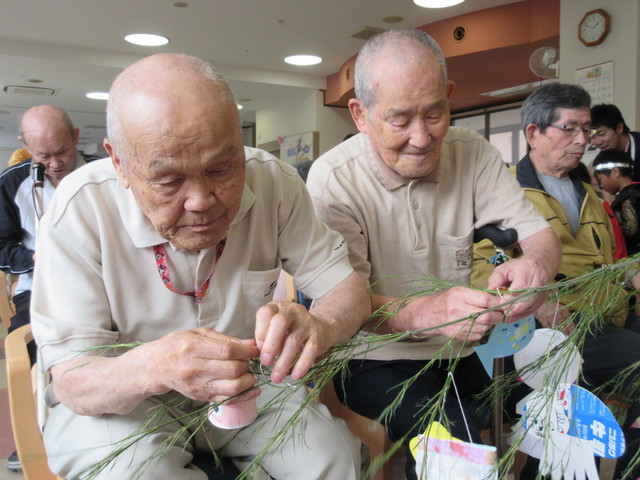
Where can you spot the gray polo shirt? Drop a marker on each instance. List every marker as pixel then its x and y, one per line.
pixel 399 229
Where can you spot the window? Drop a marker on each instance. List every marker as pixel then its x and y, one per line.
pixel 505 132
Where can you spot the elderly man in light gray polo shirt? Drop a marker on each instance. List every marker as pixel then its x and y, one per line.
pixel 407 194
pixel 176 242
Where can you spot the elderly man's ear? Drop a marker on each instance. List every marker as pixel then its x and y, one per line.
pixel 117 163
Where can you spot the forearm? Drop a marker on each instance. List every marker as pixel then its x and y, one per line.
pixel 103 385
pixel 394 316
pixel 345 308
pixel 544 249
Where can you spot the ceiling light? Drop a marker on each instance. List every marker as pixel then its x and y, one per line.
pixel 303 60
pixel 146 39
pixel 97 95
pixel 437 3
pixel 240 107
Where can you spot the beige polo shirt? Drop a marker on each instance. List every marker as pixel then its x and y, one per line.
pixel 399 230
pixel 96 280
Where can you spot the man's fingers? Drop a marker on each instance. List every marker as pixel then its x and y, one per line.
pixel 263 320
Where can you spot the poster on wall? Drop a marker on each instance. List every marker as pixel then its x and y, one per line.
pixel 598 81
pixel 300 148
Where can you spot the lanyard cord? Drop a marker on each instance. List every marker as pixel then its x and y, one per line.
pixel 163 269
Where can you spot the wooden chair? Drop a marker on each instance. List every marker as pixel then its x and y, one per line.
pixel 7 309
pixel 373 434
pixel 22 403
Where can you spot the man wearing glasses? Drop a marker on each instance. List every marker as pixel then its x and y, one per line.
pixel 557 124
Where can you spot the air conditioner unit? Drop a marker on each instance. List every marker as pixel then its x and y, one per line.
pixel 26 90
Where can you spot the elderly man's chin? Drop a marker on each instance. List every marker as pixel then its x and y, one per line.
pixel 416 166
pixel 194 241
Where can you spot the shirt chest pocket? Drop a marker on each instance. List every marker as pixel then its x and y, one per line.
pixel 455 255
pixel 257 290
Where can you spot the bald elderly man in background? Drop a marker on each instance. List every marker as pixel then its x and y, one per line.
pixel 50 139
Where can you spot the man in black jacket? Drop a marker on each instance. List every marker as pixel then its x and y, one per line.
pixel 51 138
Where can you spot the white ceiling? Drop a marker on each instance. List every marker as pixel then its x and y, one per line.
pixel 77 46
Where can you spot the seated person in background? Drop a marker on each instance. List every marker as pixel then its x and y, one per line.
pixel 612 169
pixel 50 138
pixel 407 194
pixel 557 125
pixel 19 156
pixel 613 132
pixel 177 242
pixel 583 172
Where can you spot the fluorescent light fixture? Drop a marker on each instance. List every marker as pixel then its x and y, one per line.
pixel 437 3
pixel 146 39
pixel 302 60
pixel 97 95
pixel 524 88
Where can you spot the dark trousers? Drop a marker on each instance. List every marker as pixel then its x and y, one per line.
pixel 371 385
pixel 22 301
pixel 606 352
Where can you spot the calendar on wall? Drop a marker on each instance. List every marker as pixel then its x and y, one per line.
pixel 598 81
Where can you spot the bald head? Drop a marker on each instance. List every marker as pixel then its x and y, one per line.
pixel 178 85
pixel 45 120
pixel 50 137
pixel 175 139
pixel 395 49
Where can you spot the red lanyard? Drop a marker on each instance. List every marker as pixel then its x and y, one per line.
pixel 163 269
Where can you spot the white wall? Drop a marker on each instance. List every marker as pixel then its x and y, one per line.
pixel 621 46
pixel 304 113
pixel 294 115
pixel 333 123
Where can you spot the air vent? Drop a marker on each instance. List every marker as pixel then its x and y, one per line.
pixel 365 33
pixel 25 90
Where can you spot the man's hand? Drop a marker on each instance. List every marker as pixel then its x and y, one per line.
pixel 205 365
pixel 285 330
pixel 202 364
pixel 438 311
pixel 537 267
pixel 519 274
pixel 291 338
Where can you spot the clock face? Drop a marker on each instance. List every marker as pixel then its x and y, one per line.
pixel 593 28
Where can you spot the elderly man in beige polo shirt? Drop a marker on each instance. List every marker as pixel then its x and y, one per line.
pixel 407 194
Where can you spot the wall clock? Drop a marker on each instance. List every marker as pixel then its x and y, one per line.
pixel 594 27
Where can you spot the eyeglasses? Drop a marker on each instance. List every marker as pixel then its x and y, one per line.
pixel 588 132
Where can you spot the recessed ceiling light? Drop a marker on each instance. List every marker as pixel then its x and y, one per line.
pixel 98 95
pixel 146 39
pixel 303 60
pixel 437 3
